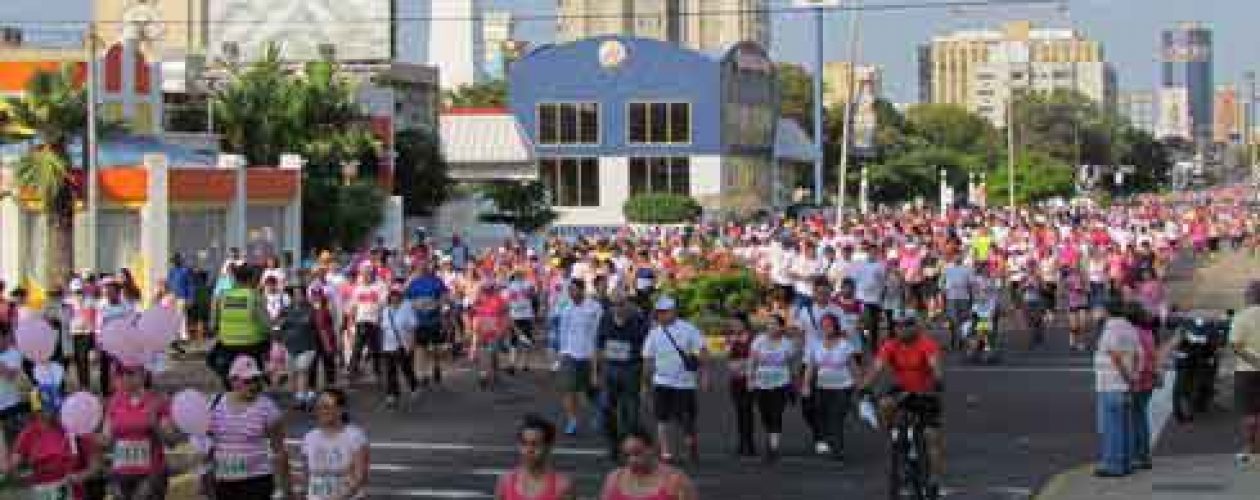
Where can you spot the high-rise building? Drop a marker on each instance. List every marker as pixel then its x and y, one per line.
pixel 981 69
pixel 1186 91
pixel 1227 115
pixel 456 41
pixel 837 76
pixel 1139 108
pixel 705 25
pixel 497 31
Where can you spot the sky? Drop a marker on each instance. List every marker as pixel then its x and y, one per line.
pixel 1128 29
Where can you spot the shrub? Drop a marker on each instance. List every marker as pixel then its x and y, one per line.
pixel 661 208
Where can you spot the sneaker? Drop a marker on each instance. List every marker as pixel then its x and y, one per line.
pixel 822 448
pixel 571 428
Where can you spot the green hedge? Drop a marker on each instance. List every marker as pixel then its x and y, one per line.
pixel 661 208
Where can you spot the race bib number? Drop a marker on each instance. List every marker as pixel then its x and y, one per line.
pixel 324 485
pixel 131 454
pixel 50 491
pixel 833 378
pixel 231 466
pixel 617 350
pixel 425 303
pixel 772 377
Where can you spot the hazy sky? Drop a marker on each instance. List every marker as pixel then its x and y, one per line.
pixel 1129 30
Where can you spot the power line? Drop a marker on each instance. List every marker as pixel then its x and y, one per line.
pixel 864 7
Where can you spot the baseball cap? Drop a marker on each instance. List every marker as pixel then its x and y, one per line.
pixel 244 366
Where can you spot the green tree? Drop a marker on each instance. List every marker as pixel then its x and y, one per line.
pixel 268 109
pixel 661 208
pixel 1038 176
pixel 491 94
pixel 421 176
pixel 525 206
pixel 796 95
pixel 54 109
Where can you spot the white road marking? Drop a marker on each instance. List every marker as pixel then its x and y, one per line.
pixel 1162 406
pixel 464 447
pixel 427 493
pixel 1019 369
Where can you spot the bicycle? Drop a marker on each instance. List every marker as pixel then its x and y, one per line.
pixel 910 469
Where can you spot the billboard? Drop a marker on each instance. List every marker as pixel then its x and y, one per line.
pixel 1174 112
pixel 355 30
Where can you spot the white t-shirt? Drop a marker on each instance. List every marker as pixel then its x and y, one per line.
pixel 398 326
pixel 368 301
pixel 869 278
pixel 1118 335
pixel 11 361
pixel 773 360
pixel 579 325
pixel 669 370
pixel 804 268
pixel 520 299
pixel 809 319
pixel 832 364
pixel 329 457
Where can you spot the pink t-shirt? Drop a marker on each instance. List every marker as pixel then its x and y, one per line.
pixel 241 445
pixel 136 451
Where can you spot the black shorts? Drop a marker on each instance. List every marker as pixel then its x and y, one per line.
pixel 932 407
pixel 429 336
pixel 675 405
pixel 1247 392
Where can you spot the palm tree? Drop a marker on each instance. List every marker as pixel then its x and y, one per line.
pixel 54 110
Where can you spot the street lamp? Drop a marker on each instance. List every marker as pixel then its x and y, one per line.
pixel 818 7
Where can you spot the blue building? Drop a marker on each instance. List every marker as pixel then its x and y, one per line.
pixel 614 116
pixel 1187 82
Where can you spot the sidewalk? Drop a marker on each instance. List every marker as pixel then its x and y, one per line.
pixel 1202 477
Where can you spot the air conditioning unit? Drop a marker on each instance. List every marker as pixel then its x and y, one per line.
pixel 327 51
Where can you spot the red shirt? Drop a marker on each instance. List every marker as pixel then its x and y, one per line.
pixel 47 449
pixel 910 363
pixel 131 423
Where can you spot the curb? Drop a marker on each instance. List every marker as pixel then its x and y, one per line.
pixel 1054 486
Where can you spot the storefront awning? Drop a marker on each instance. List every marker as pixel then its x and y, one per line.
pixel 791 143
pixel 486 145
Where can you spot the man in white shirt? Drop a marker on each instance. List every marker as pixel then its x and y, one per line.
pixel 804 268
pixel 578 329
pixel 869 276
pixel 674 355
pixel 398 326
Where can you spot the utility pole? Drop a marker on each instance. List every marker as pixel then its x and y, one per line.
pixel 90 151
pixel 819 138
pixel 849 105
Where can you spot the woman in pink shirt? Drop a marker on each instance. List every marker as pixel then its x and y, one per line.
pixel 490 324
pixel 536 477
pixel 136 422
pixel 643 477
pixel 59 468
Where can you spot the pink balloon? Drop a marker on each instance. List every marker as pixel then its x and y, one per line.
pixel 121 338
pixel 190 412
pixel 157 326
pixel 36 339
pixel 81 413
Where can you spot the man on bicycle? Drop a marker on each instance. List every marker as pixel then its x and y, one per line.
pixel 914 360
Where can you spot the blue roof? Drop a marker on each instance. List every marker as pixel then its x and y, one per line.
pixel 129 151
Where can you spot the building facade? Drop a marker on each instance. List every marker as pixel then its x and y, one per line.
pixel 1227 115
pixel 704 25
pixel 636 115
pixel 1186 88
pixel 839 75
pixel 498 30
pixel 979 68
pixel 1139 108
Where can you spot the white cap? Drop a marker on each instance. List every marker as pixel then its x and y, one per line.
pixel 666 303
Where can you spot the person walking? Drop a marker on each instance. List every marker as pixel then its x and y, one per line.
pixel 300 340
pixel 242 321
pixel 137 424
pixel 1115 374
pixel 398 327
pixel 618 368
pixel 334 454
pixel 1245 344
pixel 578 330
pixel 644 477
pixel 367 298
pixel 535 478
pixel 675 355
pixel 113 308
pixel 831 370
pixel 739 339
pixel 772 366
pixel 428 295
pixel 247 449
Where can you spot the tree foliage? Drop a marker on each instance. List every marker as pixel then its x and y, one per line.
pixel 491 94
pixel 525 206
pixel 420 176
pixel 796 94
pixel 268 109
pixel 661 208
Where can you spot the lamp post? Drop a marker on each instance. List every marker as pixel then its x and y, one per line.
pixel 864 187
pixel 818 7
pixel 849 106
pixel 90 151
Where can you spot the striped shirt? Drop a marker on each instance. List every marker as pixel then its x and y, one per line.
pixel 240 438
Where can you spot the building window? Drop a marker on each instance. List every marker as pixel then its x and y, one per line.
pixel 568 123
pixel 659 122
pixel 572 181
pixel 660 174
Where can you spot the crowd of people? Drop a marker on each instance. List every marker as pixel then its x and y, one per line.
pixel 846 302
